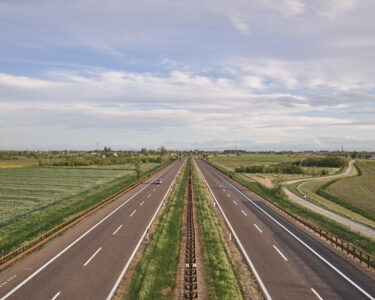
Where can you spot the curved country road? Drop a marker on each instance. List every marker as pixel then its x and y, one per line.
pixel 368 231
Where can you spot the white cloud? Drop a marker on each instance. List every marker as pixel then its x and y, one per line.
pixel 287 8
pixel 239 23
pixel 337 8
pixel 296 68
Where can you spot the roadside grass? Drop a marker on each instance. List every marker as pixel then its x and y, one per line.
pixel 277 196
pixel 355 193
pixel 155 274
pixel 222 279
pixel 29 225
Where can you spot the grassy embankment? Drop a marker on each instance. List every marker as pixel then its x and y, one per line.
pixel 155 274
pixel 355 193
pixel 355 186
pixel 222 278
pixel 277 196
pixel 34 200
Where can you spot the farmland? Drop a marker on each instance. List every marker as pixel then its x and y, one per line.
pixel 317 193
pixel 270 180
pixel 358 191
pixel 35 199
pixel 25 190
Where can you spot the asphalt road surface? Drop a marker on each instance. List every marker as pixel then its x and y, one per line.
pixel 288 262
pixel 89 260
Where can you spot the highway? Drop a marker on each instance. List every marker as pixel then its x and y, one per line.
pixel 288 262
pixel 89 260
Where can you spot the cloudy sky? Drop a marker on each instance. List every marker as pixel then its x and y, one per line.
pixel 208 74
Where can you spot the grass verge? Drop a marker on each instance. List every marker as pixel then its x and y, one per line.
pixel 277 196
pixel 222 278
pixel 155 274
pixel 32 225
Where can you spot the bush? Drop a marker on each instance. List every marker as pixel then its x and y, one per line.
pixel 328 161
pixel 282 168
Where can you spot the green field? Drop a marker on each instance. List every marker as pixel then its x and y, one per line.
pixel 18 163
pixel 255 158
pixel 358 191
pixel 25 190
pixel 33 200
pixel 269 180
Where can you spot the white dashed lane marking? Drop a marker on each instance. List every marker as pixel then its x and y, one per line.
pixel 282 255
pixel 256 226
pixel 92 256
pixel 117 230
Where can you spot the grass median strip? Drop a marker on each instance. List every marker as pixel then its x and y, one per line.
pixel 222 280
pixel 155 274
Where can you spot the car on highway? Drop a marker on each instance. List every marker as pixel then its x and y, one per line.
pixel 158 181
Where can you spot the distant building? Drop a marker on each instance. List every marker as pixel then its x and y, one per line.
pixel 372 157
pixel 111 154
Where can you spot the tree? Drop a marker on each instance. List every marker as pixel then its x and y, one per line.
pixel 162 150
pixel 138 170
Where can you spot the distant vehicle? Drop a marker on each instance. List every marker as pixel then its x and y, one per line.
pixel 158 181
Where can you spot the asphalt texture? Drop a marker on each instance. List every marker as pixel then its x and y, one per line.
pixel 290 262
pixel 88 261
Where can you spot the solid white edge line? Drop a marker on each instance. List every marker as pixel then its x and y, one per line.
pixel 316 294
pixel 260 230
pixel 244 213
pixel 109 297
pixel 72 244
pixel 92 256
pixel 133 213
pixel 302 242
pixel 55 297
pixel 117 229
pixel 249 262
pixel 281 254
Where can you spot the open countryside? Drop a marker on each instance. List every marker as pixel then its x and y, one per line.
pixel 187 150
pixel 23 191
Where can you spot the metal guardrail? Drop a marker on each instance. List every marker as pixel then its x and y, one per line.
pixel 16 254
pixel 344 245
pixel 191 276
